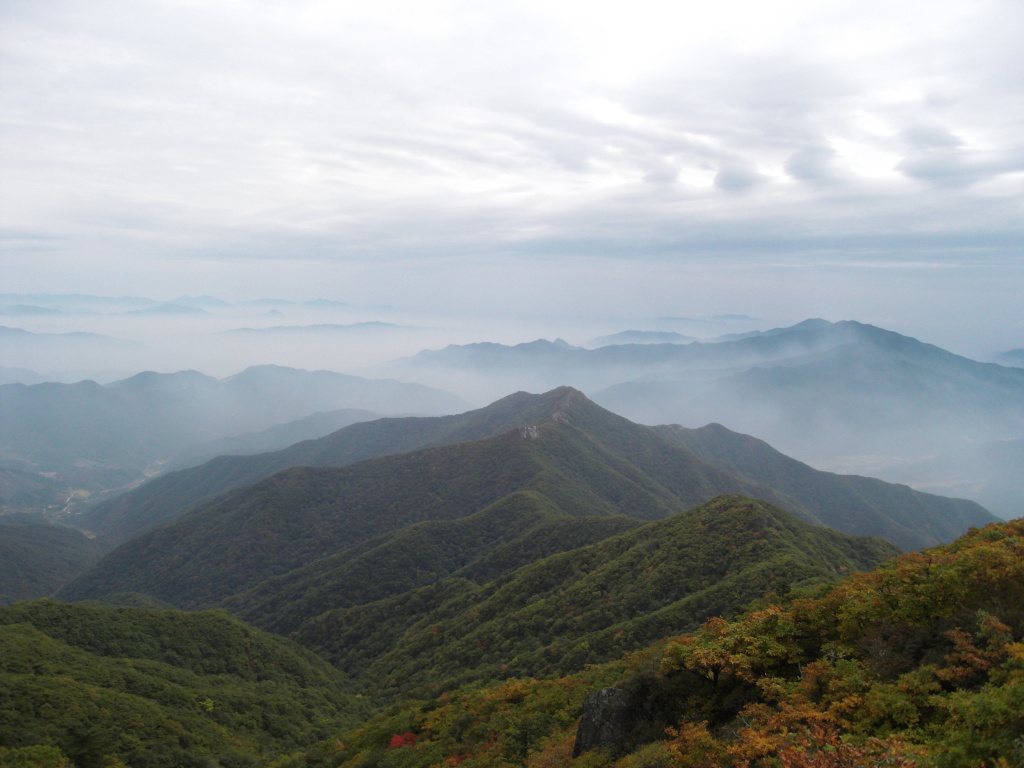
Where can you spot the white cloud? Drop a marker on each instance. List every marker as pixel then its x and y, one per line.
pixel 346 131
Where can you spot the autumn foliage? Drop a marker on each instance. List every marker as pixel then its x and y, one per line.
pixel 918 663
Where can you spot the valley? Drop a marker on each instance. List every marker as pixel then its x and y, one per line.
pixel 445 384
pixel 439 584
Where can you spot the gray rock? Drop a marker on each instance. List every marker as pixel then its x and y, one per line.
pixel 608 719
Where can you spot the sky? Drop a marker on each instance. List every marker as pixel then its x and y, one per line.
pixel 541 161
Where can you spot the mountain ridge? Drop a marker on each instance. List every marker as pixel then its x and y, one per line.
pixel 164 499
pixel 135 423
pixel 589 603
pixel 580 459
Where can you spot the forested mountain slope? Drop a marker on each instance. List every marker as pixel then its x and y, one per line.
pixel 586 605
pixel 37 559
pixel 849 503
pixel 917 664
pixel 163 499
pixel 857 506
pixel 159 688
pixel 299 515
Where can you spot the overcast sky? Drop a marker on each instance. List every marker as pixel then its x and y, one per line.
pixel 782 159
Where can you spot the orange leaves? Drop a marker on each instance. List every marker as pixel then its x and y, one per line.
pixel 692 746
pixel 746 648
pixel 967 663
pixel 824 748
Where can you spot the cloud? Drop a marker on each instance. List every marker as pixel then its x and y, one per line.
pixel 938 156
pixel 737 176
pixel 150 133
pixel 813 163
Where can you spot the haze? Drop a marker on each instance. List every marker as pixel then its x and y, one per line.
pixel 506 171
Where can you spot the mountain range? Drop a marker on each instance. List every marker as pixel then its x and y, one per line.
pixel 675 466
pixel 285 550
pixel 98 437
pixel 844 396
pixel 915 662
pixel 451 568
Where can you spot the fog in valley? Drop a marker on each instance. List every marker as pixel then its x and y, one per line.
pixel 778 220
pixel 846 397
pixel 532 383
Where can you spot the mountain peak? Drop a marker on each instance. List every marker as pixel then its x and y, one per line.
pixel 557 404
pixel 811 323
pixel 568 399
pixel 151 380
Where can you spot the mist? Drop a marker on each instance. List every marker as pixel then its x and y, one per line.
pixel 104 338
pixel 326 187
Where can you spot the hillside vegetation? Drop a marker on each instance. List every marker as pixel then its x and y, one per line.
pixel 849 503
pixel 107 686
pixel 581 463
pixel 542 593
pixel 537 583
pixel 666 460
pixel 166 498
pixel 918 663
pixel 37 559
pixel 587 605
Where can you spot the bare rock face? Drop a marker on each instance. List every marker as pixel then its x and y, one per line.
pixel 608 720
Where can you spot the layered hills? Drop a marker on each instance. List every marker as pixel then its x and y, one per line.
pixel 38 558
pixel 541 535
pixel 273 438
pixel 850 503
pixel 843 396
pixel 165 498
pixel 659 459
pixel 522 587
pixel 588 604
pixel 917 663
pixel 87 431
pixel 367 551
pixel 536 591
pixel 580 459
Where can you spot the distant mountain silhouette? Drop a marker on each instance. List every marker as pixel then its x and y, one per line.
pixel 567 454
pixel 875 392
pixel 170 309
pixel 150 417
pixel 847 503
pixel 831 394
pixel 1014 358
pixel 273 438
pixel 291 330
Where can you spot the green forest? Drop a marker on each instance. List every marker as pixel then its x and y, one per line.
pixel 918 662
pixel 581 591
